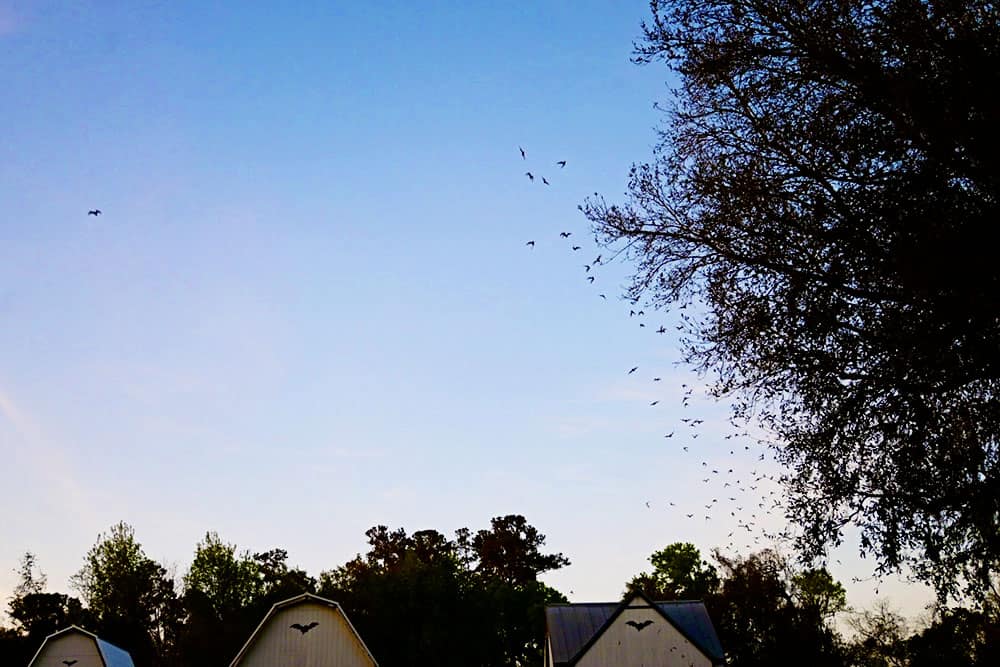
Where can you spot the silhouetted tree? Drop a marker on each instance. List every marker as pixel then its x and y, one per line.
pixel 825 192
pixel 879 638
pixel 30 578
pixel 36 613
pixel 279 580
pixel 509 551
pixel 958 638
pixel 764 617
pixel 132 598
pixel 679 573
pixel 40 614
pixel 222 590
pixel 424 599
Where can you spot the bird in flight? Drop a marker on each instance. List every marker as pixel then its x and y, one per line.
pixel 654 402
pixel 634 369
pixel 639 626
pixel 587 267
pixel 522 152
pixel 590 278
pixel 544 181
pixel 531 243
pixel 657 379
pixel 661 330
pixel 561 163
pixel 576 247
pixel 565 235
pixel 96 211
pixel 304 628
pixel 529 175
pixel 602 296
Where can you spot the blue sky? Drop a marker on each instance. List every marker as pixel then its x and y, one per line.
pixel 308 307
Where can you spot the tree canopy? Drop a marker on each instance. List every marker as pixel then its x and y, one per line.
pixel 678 573
pixel 427 599
pixel 824 193
pixel 130 596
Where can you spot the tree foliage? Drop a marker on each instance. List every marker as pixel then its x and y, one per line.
pixel 426 599
pixel 765 610
pixel 764 617
pixel 679 573
pixel 423 598
pixel 825 191
pixel 130 595
pixel 30 579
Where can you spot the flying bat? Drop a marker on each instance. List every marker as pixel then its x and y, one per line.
pixel 529 175
pixel 565 235
pixel 544 181
pixel 576 247
pixel 639 626
pixel 634 369
pixel 522 152
pixel 561 163
pixel 531 243
pixel 590 278
pixel 304 628
pixel 96 211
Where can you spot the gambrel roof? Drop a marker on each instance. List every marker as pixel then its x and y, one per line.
pixel 291 602
pixel 111 655
pixel 574 628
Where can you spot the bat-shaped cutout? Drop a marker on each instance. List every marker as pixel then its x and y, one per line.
pixel 639 626
pixel 69 663
pixel 304 628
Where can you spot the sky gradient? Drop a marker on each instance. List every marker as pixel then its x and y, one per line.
pixel 308 307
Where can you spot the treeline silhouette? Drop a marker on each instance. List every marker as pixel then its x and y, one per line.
pixel 473 600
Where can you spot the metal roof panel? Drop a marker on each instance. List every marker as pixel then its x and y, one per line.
pixel 114 656
pixel 571 626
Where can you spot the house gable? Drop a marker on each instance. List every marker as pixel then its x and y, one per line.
pixel 574 630
pixel 84 648
pixel 328 637
pixel 641 636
